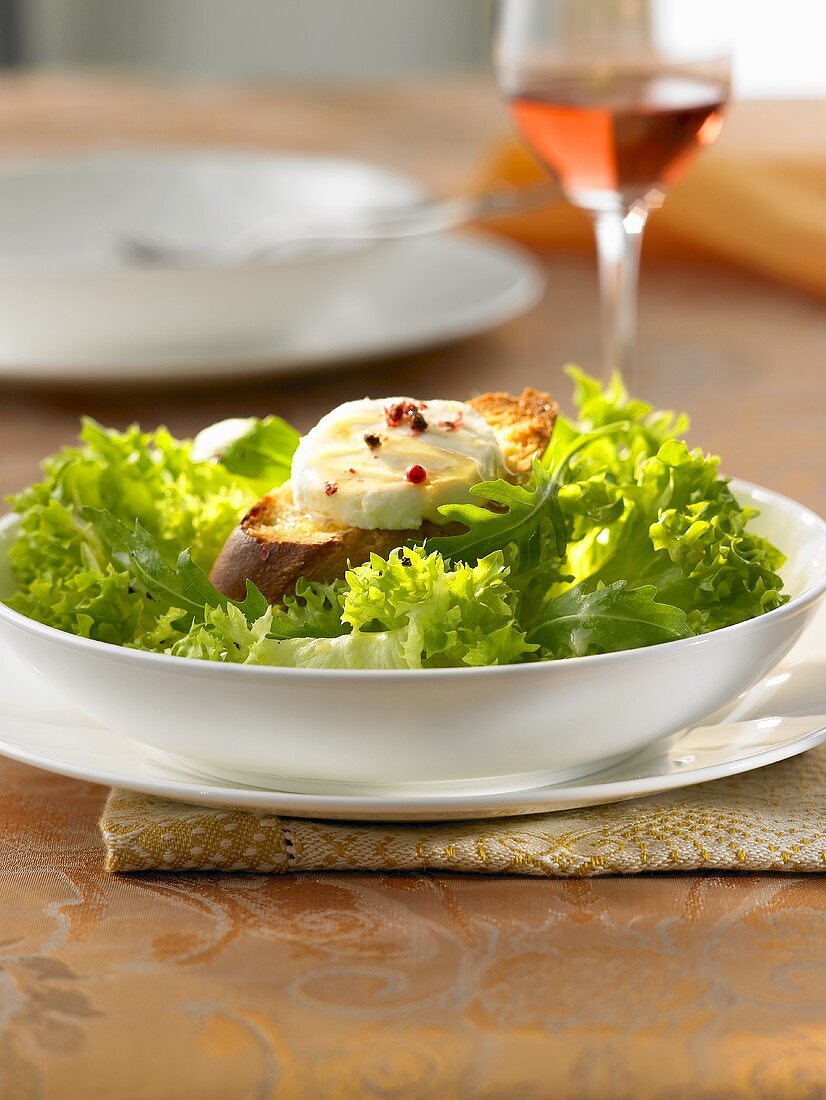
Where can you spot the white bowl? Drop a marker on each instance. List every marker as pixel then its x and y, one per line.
pixel 68 297
pixel 500 728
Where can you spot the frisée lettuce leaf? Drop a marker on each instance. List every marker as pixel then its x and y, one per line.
pixel 408 610
pixel 627 501
pixel 66 574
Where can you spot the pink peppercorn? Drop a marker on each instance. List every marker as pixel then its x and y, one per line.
pixel 416 474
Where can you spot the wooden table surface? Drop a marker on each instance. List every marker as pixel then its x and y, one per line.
pixel 410 986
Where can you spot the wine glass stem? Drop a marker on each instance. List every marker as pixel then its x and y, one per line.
pixel 619 239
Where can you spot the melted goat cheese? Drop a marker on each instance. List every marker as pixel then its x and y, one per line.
pixel 352 465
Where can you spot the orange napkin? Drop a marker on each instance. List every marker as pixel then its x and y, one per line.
pixel 757 199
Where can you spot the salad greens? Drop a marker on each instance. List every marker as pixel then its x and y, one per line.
pixel 621 537
pixel 263 452
pixel 407 611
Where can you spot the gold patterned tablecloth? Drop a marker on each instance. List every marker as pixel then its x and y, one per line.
pixel 771 819
pixel 159 986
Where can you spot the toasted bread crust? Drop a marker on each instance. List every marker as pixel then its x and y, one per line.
pixel 523 425
pixel 275 544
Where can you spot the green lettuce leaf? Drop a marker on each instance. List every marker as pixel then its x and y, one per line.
pixel 684 532
pixel 598 405
pixel 726 573
pixel 263 453
pixel 602 475
pixel 225 635
pixel 605 620
pixel 463 615
pixel 312 610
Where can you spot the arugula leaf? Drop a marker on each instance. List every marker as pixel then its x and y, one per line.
pixel 184 587
pixel 605 620
pixel 185 599
pixel 523 511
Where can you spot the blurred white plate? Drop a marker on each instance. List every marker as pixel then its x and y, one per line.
pixel 72 309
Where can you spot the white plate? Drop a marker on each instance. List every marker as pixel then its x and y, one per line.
pixel 422 293
pixel 72 307
pixel 771 722
pixel 69 295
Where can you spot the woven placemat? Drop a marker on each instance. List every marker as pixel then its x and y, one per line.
pixel 772 819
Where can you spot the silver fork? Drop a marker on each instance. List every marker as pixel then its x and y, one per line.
pixel 258 245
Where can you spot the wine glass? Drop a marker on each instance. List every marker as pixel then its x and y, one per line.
pixel 615 97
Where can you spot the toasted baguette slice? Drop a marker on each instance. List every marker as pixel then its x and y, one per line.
pixel 275 544
pixel 523 425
